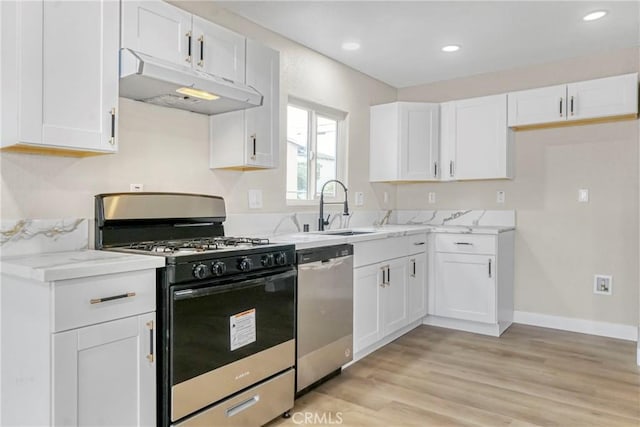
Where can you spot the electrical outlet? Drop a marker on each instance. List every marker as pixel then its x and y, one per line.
pixel 432 197
pixel 583 195
pixel 385 198
pixel 136 188
pixel 500 196
pixel 255 199
pixel 359 198
pixel 602 284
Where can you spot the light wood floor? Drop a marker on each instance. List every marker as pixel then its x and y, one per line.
pixel 530 376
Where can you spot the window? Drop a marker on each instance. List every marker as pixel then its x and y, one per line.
pixel 315 150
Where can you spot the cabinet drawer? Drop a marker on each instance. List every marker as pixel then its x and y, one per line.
pixel 372 251
pixel 90 300
pixel 466 244
pixel 416 243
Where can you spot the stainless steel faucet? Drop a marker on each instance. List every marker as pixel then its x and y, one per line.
pixel 321 221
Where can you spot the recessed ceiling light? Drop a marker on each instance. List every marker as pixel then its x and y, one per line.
pixel 450 48
pixel 594 15
pixel 351 45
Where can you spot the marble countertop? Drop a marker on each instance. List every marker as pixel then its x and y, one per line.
pixel 315 239
pixel 53 266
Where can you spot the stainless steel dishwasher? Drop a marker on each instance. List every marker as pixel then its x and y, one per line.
pixel 324 340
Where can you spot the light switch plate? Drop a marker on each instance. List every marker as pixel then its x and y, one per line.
pixel 432 197
pixel 255 199
pixel 583 195
pixel 359 198
pixel 385 198
pixel 500 196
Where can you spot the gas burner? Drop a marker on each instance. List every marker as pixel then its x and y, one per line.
pixel 197 245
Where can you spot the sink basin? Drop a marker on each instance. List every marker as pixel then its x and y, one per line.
pixel 344 232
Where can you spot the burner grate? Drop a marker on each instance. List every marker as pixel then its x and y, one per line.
pixel 197 245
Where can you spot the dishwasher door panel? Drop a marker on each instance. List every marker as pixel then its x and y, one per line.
pixel 325 318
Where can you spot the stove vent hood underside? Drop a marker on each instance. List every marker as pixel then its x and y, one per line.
pixel 155 81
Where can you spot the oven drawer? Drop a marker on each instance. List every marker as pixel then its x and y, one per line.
pixel 253 407
pixel 91 300
pixel 466 243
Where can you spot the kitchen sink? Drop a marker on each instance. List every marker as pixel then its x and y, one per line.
pixel 345 232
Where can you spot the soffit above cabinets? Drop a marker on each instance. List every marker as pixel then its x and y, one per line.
pixel 401 41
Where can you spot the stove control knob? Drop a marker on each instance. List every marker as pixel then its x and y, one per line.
pixel 281 258
pixel 245 264
pixel 200 271
pixel 267 260
pixel 218 268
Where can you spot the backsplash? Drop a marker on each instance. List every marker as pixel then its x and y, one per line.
pixel 505 218
pixel 31 236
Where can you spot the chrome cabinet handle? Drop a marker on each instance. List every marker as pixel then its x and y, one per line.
pixel 254 140
pixel 451 168
pixel 111 298
pixel 188 58
pixel 414 267
pixel 388 276
pixel 150 356
pixel 112 139
pixel 464 243
pixel 384 280
pixel 560 107
pixel 435 169
pixel 418 243
pixel 201 40
pixel 489 267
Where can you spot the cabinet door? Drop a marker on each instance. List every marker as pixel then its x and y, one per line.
pixel 80 74
pixel 481 149
pixel 544 105
pixel 105 374
pixel 383 142
pixel 465 287
pixel 394 296
pixel 217 50
pixel 419 141
pixel 447 140
pixel 157 29
pixel 263 123
pixel 417 286
pixel 611 96
pixel 367 289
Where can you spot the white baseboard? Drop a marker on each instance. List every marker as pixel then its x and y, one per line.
pixel 592 327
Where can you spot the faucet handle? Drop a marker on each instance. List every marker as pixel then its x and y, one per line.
pixel 326 222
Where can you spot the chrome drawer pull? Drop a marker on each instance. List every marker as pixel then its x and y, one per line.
pixel 243 406
pixel 418 243
pixel 464 243
pixel 114 297
pixel 150 356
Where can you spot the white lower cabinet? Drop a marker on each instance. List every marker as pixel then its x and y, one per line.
pixel 389 289
pixel 471 282
pixel 105 374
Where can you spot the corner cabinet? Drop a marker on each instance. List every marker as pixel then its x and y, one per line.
pixel 389 290
pixel 90 354
pixel 404 142
pixel 475 140
pixel 471 283
pixel 60 77
pixel 249 139
pixel 586 101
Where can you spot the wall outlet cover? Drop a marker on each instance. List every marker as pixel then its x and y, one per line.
pixel 583 195
pixel 432 197
pixel 359 198
pixel 500 196
pixel 385 198
pixel 602 284
pixel 255 199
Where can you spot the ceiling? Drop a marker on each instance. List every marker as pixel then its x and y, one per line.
pixel 401 41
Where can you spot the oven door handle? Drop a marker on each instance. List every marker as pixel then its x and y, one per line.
pixel 266 280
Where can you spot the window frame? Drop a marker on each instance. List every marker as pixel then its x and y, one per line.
pixel 342 150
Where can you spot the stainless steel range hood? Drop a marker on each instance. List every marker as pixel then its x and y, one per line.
pixel 159 82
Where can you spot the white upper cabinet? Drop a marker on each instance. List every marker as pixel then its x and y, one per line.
pixel 404 142
pixel 60 88
pixel 157 29
pixel 592 99
pixel 248 139
pixel 476 142
pixel 218 51
pixel 169 33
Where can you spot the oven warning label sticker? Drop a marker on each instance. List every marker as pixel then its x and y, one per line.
pixel 242 328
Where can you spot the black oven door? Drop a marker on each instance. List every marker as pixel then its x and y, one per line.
pixel 227 335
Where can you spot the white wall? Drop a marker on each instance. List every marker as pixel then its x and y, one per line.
pixel 560 243
pixel 167 150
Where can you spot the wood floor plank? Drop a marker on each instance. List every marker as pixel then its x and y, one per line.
pixel 528 377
